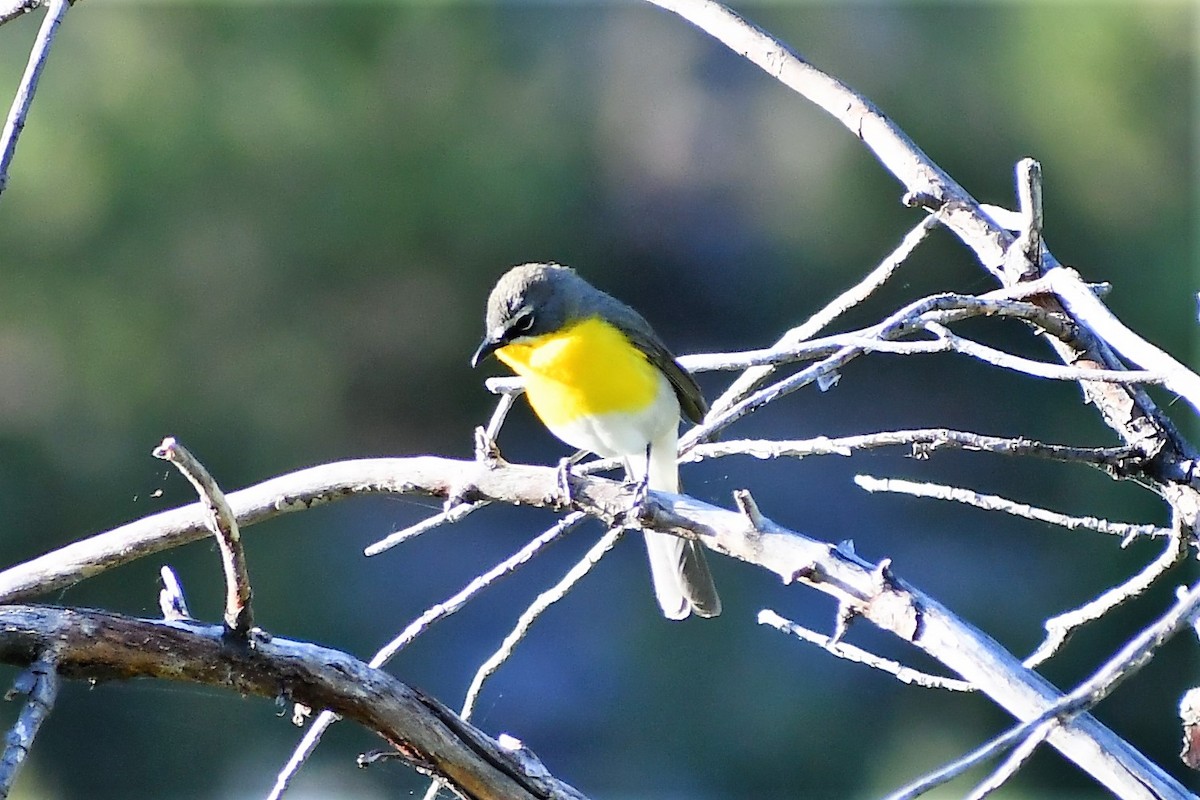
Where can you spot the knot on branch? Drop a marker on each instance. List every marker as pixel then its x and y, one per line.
pixel 891 605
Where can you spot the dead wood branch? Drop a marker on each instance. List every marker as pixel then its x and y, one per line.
pixel 888 603
pixel 97 645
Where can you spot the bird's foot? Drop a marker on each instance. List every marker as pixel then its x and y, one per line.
pixel 639 490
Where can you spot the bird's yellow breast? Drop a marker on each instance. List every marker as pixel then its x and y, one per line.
pixel 588 368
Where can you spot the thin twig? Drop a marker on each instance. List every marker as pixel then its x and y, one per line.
pixel 524 622
pixel 312 737
pixel 1137 653
pixel 1024 258
pixel 991 502
pixel 503 406
pixel 835 308
pixel 170 598
pixel 528 617
pixel 946 342
pixel 435 788
pixel 1039 369
pixel 239 617
pixel 455 602
pixel 948 772
pixel 851 653
pixel 304 748
pixel 40 683
pixel 913 318
pixel 900 323
pixel 455 513
pixel 531 614
pixel 1059 628
pixel 15 122
pixel 1018 758
pixel 922 440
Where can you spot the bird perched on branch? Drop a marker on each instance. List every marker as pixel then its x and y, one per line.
pixel 600 379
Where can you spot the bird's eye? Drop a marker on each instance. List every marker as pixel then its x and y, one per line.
pixel 523 323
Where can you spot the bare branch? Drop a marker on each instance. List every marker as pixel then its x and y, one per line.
pixel 839 349
pixel 1018 758
pixel 15 122
pixel 293 492
pixel 847 300
pixel 899 608
pixel 986 751
pixel 455 513
pixel 895 606
pixel 431 615
pixel 900 323
pixel 856 654
pixel 97 645
pixel 1127 409
pixel 991 502
pixel 948 342
pixel 305 748
pixel 220 519
pixel 503 406
pixel 1024 258
pixel 1060 628
pixel 1136 654
pixel 1038 369
pixel 535 610
pixel 40 683
pixel 923 441
pixel 478 583
pixel 913 318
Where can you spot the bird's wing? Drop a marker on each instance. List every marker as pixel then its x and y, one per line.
pixel 691 399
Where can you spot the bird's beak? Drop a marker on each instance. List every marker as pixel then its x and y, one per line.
pixel 485 349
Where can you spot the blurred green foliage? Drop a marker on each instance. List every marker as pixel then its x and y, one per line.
pixel 268 229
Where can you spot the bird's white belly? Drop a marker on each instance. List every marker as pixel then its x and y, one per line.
pixel 623 433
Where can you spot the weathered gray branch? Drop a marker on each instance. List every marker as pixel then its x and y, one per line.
pixel 40 682
pixel 857 585
pixel 239 617
pixel 15 121
pixel 98 645
pixel 1128 410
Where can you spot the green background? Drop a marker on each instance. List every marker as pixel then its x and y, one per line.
pixel 268 229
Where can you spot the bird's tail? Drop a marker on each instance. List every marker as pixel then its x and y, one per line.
pixel 682 581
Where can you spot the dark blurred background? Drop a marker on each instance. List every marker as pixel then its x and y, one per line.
pixel 269 229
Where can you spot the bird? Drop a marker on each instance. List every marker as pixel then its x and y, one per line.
pixel 601 380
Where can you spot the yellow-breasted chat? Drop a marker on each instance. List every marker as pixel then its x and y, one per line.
pixel 600 379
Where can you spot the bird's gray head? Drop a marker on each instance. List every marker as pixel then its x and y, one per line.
pixel 532 300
